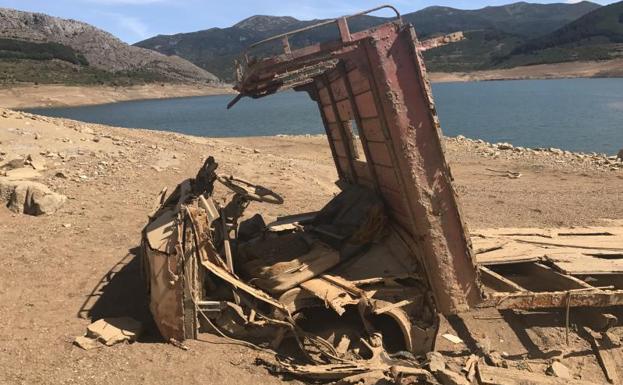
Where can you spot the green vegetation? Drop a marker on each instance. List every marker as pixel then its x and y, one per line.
pixel 19 49
pixel 479 51
pixel 16 71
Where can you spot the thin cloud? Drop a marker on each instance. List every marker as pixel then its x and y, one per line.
pixel 134 25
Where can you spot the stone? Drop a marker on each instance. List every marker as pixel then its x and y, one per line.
pixel 436 362
pixel 36 161
pixel 87 343
pixel 557 369
pixel 448 377
pixel 13 164
pixel 504 146
pixel 620 154
pixel 110 331
pixel 22 173
pixel 31 198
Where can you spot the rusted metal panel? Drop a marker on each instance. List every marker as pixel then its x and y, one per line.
pixel 374 131
pixel 410 118
pixel 166 294
pixel 339 89
pixel 380 154
pixel 366 105
pixel 345 111
pixel 358 81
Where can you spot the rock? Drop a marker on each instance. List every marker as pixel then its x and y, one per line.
pixel 87 343
pixel 22 173
pixel 36 161
pixel 96 139
pixel 436 361
pixel 556 151
pixel 111 331
pixel 448 377
pixel 620 154
pixel 87 130
pixel 504 146
pixel 14 164
pixel 557 369
pixel 30 197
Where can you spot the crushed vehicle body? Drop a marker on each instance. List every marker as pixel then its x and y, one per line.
pixel 360 283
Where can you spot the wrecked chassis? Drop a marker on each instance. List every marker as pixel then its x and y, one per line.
pixel 359 285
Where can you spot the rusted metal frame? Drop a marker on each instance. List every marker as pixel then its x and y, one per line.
pixel 553 299
pixel 322 24
pixel 342 26
pixel 341 67
pixel 346 140
pixel 437 222
pixel 498 282
pixel 286 45
pixel 316 97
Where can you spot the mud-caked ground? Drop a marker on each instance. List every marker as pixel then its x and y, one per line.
pixel 53 264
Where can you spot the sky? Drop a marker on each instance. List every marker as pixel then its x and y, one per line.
pixel 135 20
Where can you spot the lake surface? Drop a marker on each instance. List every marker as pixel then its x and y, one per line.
pixel 572 114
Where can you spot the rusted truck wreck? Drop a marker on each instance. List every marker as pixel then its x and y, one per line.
pixel 360 284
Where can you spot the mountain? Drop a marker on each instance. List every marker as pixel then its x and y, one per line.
pixel 34 41
pixel 597 35
pixel 507 26
pixel 525 19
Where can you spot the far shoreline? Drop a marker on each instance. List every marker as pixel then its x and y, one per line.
pixel 27 96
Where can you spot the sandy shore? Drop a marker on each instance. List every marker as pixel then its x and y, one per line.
pixel 60 96
pixel 611 68
pixel 111 177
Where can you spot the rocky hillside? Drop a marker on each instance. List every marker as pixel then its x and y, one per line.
pixel 101 50
pixel 497 30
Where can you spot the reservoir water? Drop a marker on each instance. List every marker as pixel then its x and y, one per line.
pixel 572 114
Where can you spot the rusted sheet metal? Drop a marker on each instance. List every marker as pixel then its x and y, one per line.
pixel 166 294
pixel 554 299
pixel 377 82
pixel 412 124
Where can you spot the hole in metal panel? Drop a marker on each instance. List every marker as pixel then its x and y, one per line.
pixel 355 132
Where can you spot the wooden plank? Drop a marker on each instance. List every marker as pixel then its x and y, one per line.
pixel 609 356
pixel 553 299
pixel 578 251
pixel 497 282
pixel 489 375
pixel 553 279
